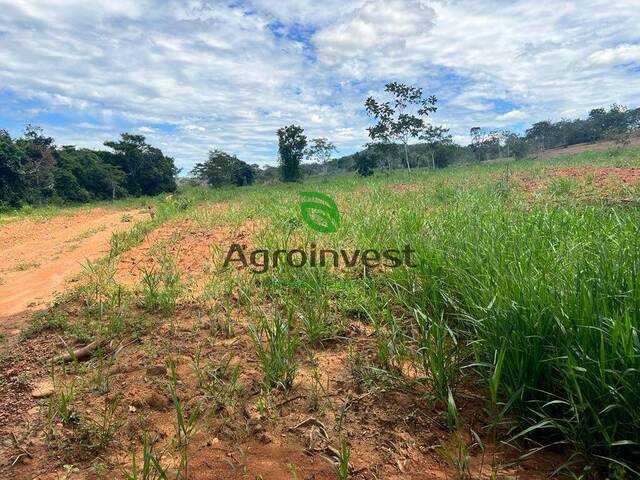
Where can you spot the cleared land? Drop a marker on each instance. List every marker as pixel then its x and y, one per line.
pixel 37 258
pixel 517 330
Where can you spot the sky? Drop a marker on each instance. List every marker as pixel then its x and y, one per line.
pixel 194 75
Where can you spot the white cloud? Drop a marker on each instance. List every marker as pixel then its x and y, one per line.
pixel 621 54
pixel 512 116
pixel 374 38
pixel 200 74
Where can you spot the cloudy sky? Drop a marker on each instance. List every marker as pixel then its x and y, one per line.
pixel 196 75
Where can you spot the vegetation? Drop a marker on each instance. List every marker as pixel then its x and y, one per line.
pixel 396 120
pixel 33 171
pixel 222 169
pixel 291 147
pixel 617 123
pixel 526 300
pixel 523 289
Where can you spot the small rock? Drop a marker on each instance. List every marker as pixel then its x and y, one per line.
pixel 43 389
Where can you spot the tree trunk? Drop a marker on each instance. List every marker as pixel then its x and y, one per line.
pixel 406 156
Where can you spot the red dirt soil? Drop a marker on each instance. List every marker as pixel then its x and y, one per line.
pixel 602 177
pixel 38 258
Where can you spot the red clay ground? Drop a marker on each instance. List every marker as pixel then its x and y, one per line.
pixel 593 182
pixel 38 258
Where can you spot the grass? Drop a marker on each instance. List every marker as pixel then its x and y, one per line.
pixel 538 298
pixel 276 346
pixel 531 300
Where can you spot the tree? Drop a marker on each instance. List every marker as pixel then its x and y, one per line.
pixel 148 170
pixel 80 175
pixel 12 178
pixel 365 162
pixel 222 169
pixel 320 151
pixel 432 137
pixel 39 163
pixel 403 120
pixel 291 145
pixel 542 134
pixel 516 146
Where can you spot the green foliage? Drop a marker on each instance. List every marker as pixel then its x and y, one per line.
pixel 161 286
pixel 320 151
pixel 223 169
pixel 291 147
pixel 34 171
pixel 39 164
pixel 12 175
pixel 365 162
pixel 396 122
pixel 82 176
pixel 148 171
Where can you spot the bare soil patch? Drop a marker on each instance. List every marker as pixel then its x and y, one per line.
pixel 601 181
pixel 38 258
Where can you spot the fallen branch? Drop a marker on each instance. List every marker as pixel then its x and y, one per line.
pixel 80 353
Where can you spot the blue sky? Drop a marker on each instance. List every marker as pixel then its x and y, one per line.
pixel 195 75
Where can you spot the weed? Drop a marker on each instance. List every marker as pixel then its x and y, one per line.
pixel 151 468
pixel 185 425
pixel 456 453
pixel 276 346
pixel 439 354
pixel 343 461
pixel 22 267
pixel 219 381
pixel 161 286
pixel 104 429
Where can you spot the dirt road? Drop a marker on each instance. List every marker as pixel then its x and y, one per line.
pixel 37 258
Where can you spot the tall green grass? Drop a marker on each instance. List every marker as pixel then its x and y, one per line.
pixel 540 298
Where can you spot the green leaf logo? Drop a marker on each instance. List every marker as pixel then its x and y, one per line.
pixel 320 212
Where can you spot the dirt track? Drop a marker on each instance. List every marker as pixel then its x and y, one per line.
pixel 37 258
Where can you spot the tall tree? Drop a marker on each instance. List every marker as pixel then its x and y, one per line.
pixel 12 178
pixel 291 145
pixel 148 170
pixel 320 150
pixel 222 169
pixel 81 175
pixel 401 119
pixel 39 163
pixel 365 162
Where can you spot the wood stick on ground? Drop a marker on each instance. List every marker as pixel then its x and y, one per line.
pixel 80 353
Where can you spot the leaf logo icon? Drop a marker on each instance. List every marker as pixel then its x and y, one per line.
pixel 320 212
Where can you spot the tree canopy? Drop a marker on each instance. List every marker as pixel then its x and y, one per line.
pixel 291 148
pixel 222 169
pixel 33 170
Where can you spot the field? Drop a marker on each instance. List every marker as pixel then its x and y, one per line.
pixel 508 348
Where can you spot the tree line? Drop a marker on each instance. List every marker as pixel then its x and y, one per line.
pixel 617 123
pixel 402 137
pixel 34 171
